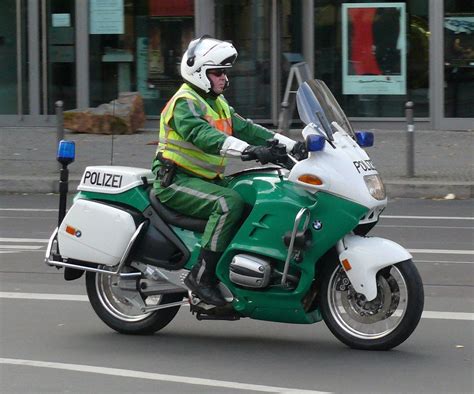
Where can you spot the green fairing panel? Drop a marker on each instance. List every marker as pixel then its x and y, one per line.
pixel 276 203
pixel 135 198
pixel 192 241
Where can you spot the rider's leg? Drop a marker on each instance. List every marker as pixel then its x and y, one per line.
pixel 223 207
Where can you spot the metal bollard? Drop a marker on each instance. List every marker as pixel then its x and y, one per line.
pixel 410 139
pixel 59 121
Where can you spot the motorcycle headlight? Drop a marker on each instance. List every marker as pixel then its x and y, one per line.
pixel 375 186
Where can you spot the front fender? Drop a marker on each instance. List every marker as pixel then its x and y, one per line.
pixel 363 257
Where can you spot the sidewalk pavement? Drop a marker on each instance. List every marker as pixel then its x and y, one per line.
pixel 443 159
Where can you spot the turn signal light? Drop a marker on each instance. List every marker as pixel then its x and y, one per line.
pixel 310 179
pixel 347 266
pixel 70 230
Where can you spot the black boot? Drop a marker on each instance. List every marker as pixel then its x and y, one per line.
pixel 202 278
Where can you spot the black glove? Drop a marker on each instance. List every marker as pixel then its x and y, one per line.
pixel 299 151
pixel 262 154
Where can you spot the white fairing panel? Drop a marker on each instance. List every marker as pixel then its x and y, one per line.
pixel 95 232
pixel 367 256
pixel 341 167
pixel 113 179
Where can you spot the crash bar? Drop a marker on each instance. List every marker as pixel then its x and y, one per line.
pixel 299 215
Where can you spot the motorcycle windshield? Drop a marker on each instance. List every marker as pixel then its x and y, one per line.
pixel 316 104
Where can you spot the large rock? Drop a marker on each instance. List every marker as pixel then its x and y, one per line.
pixel 122 116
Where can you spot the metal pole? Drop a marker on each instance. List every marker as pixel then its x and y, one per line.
pixel 63 190
pixel 59 122
pixel 410 139
pixel 19 59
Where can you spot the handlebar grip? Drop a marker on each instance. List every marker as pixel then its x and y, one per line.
pixel 246 157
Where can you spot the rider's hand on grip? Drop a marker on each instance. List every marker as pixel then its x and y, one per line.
pixel 299 151
pixel 262 154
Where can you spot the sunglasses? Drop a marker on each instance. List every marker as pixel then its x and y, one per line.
pixel 218 72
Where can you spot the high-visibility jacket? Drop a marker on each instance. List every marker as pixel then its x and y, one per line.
pixel 172 145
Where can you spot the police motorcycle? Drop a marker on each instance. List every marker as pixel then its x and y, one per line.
pixel 300 255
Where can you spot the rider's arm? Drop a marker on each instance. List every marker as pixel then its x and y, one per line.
pixel 189 122
pixel 255 134
pixel 248 131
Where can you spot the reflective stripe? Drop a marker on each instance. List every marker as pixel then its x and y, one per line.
pixel 193 192
pixel 184 144
pixel 204 164
pixel 219 226
pixel 191 108
pixel 210 197
pixel 202 268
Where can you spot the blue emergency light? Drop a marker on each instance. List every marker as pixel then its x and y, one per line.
pixel 365 139
pixel 66 152
pixel 315 143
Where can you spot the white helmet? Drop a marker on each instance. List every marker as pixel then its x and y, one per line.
pixel 203 54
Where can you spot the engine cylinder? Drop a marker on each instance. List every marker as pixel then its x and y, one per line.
pixel 250 271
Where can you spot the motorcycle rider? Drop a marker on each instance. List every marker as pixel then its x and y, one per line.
pixel 198 131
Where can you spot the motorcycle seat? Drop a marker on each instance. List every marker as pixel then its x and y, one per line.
pixel 175 218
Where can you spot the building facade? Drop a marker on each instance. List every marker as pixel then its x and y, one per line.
pixel 374 56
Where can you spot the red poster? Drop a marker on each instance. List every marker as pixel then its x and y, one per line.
pixel 362 43
pixel 171 7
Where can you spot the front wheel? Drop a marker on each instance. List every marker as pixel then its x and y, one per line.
pixel 116 308
pixel 382 323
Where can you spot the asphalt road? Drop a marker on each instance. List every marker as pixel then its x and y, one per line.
pixel 52 342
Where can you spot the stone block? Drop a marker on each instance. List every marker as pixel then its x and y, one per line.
pixel 124 115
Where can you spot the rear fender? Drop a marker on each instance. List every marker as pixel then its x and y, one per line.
pixel 363 257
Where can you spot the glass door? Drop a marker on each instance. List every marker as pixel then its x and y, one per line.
pixel 13 81
pixel 452 24
pixel 247 24
pixel 59 81
pixel 458 59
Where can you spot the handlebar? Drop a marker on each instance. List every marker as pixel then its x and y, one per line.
pixel 275 154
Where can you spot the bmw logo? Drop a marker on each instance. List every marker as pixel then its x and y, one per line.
pixel 78 233
pixel 317 225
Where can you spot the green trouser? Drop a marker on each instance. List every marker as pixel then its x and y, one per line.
pixel 205 199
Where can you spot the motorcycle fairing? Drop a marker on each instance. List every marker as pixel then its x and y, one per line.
pixel 275 204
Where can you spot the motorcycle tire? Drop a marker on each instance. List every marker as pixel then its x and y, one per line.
pixel 381 324
pixel 121 315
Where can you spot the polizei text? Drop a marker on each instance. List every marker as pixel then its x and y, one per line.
pixel 364 165
pixel 103 179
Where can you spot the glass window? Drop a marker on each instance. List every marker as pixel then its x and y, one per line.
pixel 247 24
pixel 8 53
pixel 145 55
pixel 111 48
pixel 458 59
pixel 291 41
pixel 61 83
pixel 164 30
pixel 374 51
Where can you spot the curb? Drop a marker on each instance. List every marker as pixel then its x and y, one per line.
pixel 428 189
pixel 395 188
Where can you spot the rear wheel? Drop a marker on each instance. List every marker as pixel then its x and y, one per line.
pixel 114 304
pixel 382 323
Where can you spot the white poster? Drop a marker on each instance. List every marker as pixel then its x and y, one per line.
pixel 61 20
pixel 373 48
pixel 106 17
